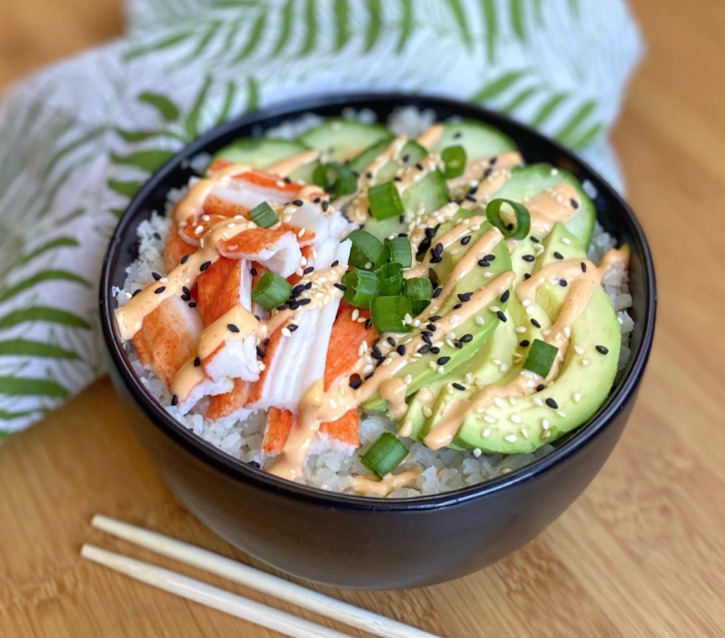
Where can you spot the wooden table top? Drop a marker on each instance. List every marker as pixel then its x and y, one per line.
pixel 640 553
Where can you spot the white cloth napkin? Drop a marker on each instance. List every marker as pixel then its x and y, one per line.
pixel 78 138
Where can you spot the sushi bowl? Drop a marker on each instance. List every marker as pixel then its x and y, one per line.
pixel 349 540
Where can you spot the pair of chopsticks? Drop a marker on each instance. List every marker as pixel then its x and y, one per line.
pixel 233 604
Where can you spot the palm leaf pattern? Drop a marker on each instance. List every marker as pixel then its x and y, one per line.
pixel 69 168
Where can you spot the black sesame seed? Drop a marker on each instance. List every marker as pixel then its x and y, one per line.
pixel 401 350
pixel 174 400
pixel 380 362
pixel 304 302
pixel 335 263
pixel 493 160
pixel 435 349
pixel 325 206
pixel 368 324
pixel 308 285
pixel 401 219
pixel 473 190
pixel 487 173
pixel 317 200
pixel 536 240
pixel 602 349
pixel 156 276
pixel 528 258
pixel 490 257
pixel 437 292
pixel 527 275
pixel 340 287
pixel 283 306
pixel 377 355
pixel 464 296
pixel 292 327
pixel 574 203
pixel 429 232
pixel 466 338
pixel 159 290
pixel 184 259
pixel 470 198
pixel 405 235
pixel 185 298
pixel 583 266
pixel 391 341
pixel 232 327
pixel 204 266
pixel 397 178
pixel 197 362
pixel 434 318
pixel 505 296
pixel 535 323
pixel 253 272
pixel 192 304
pixel 431 327
pixel 297 290
pixel 185 290
pixel 424 349
pixel 438 250
pixel 457 134
pixel 524 343
pixel 293 305
pixel 265 342
pixel 501 316
pixel 558 255
pixel 369 175
pixel 157 237
pixel 426 336
pixel 465 240
pixel 260 352
pixel 419 166
pixel 136 292
pixel 458 344
pixel 458 386
pixel 405 158
pixel 298 202
pixel 562 283
pixel 355 383
pixel 458 306
pixel 552 404
pixel 436 260
pixel 540 387
pixel 483 263
pixel 509 226
pixel 441 361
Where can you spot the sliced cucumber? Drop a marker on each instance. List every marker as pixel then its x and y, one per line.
pixel 529 181
pixel 340 139
pixel 427 195
pixel 478 139
pixel 259 153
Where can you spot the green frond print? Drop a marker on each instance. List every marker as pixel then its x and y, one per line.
pixel 46 314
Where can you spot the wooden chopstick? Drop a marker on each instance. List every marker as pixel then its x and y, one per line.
pixel 214 597
pixel 259 580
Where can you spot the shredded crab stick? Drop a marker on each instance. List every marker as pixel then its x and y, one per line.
pixel 343 357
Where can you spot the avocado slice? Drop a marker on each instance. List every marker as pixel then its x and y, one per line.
pixel 338 139
pixel 584 381
pixel 478 139
pixel 477 335
pixel 529 181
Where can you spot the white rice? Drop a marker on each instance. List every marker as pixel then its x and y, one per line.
pixel 331 465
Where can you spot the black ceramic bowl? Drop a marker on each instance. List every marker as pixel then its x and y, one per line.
pixel 353 541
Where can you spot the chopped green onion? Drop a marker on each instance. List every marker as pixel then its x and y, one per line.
pixel 361 286
pixel 541 357
pixel 271 291
pixel 454 157
pixel 337 179
pixel 419 291
pixel 390 279
pixel 517 230
pixel 366 249
pixel 387 313
pixel 383 456
pixel 385 201
pixel 400 251
pixel 263 215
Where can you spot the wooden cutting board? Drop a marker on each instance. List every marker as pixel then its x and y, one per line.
pixel 641 553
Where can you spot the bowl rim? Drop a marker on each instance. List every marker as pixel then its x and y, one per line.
pixel 239 470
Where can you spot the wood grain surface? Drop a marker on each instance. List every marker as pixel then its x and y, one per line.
pixel 641 553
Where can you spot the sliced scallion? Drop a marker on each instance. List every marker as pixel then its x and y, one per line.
pixel 454 158
pixel 337 179
pixel 419 290
pixel 383 456
pixel 390 279
pixel 541 357
pixel 361 286
pixel 263 215
pixel 384 201
pixel 517 228
pixel 366 249
pixel 400 251
pixel 387 313
pixel 271 291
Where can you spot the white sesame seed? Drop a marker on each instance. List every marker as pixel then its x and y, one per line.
pixel 427 412
pixel 506 470
pixel 512 401
pixel 530 310
pixel 494 309
pixel 489 419
pixel 261 366
pixel 515 418
pixel 479 321
pixel 566 241
pixel 576 397
pixel 524 433
pixel 538 401
pixel 526 303
pixel 498 402
pixel 546 434
pixel 520 329
pixel 578 349
pixel 286 332
pixel 567 331
pixel 561 413
pixel 586 362
pixel 486 433
pixel 545 424
pixel 408 378
pixel 511 438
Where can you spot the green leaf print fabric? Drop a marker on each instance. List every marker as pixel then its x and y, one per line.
pixel 79 138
